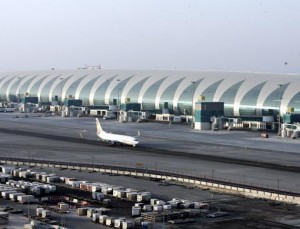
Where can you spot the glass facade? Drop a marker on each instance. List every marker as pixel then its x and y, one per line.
pixel 13 97
pixel 248 103
pixel 25 85
pixel 70 93
pixel 57 91
pixel 228 98
pixel 134 92
pixel 274 99
pixel 185 101
pixel 210 91
pixel 34 89
pixel 118 90
pixel 168 96
pixel 295 103
pixel 59 88
pixel 12 94
pixel 84 94
pixel 149 96
pixel 99 96
pixel 46 90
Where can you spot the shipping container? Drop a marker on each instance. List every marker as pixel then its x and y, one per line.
pixel 68 179
pixel 102 219
pixel 174 203
pixel 96 217
pixel 11 183
pixel 139 205
pixel 132 196
pixel 121 194
pixel 110 221
pixel 160 202
pixel 90 212
pixel 128 225
pixel 46 213
pixel 39 212
pixel 144 197
pixel 63 206
pixel 157 208
pixel 38 176
pixel 84 186
pixel 25 199
pixel 25 174
pixel 131 190
pixel 167 207
pixel 107 190
pixel 135 211
pixel 98 196
pixel 147 208
pixel 118 222
pixel 94 188
pixel 14 196
pixel 5 194
pixel 52 179
pixel 75 184
pixel 82 211
pixel 153 201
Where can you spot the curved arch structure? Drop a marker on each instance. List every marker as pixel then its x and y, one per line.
pixel 238 90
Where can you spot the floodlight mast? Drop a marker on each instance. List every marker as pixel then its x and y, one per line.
pixel 193 110
pixel 279 115
pixel 118 102
pixel 61 94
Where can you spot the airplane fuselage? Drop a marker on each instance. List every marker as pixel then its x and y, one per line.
pixel 117 138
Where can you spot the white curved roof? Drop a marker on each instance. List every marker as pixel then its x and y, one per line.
pixel 213 84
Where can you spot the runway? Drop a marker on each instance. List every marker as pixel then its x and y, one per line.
pixel 173 150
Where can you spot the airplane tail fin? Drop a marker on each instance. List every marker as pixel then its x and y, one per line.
pixel 99 128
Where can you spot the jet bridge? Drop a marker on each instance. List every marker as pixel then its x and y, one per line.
pixel 290 130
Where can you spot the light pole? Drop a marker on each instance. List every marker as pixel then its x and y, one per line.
pixel 279 115
pixel 118 103
pixel 61 94
pixel 193 111
pixel 19 92
pixel 19 96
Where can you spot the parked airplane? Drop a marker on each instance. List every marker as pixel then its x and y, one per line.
pixel 115 138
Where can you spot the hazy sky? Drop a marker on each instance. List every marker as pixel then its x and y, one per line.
pixel 238 35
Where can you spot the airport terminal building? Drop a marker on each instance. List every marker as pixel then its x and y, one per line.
pixel 243 93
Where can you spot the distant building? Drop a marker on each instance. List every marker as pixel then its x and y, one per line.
pixel 244 93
